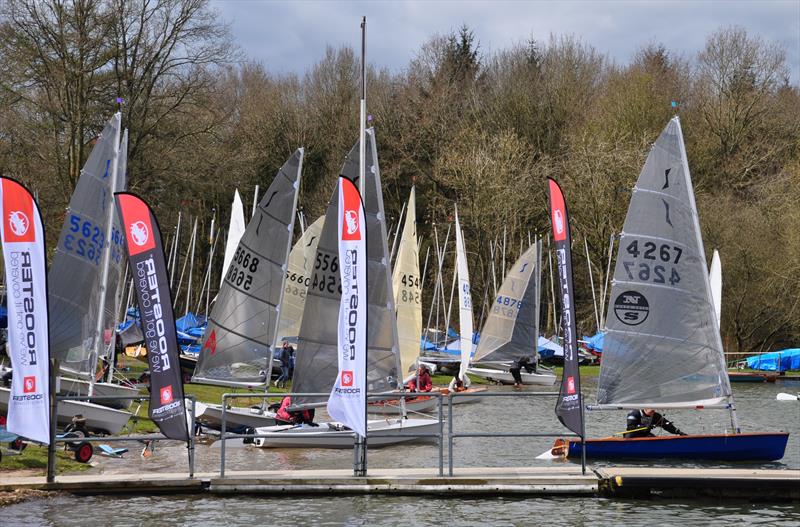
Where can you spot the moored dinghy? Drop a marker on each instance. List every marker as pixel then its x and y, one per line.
pixel 662 347
pixel 512 327
pixel 243 326
pixel 298 278
pixel 317 360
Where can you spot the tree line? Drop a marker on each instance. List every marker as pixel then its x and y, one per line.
pixel 463 125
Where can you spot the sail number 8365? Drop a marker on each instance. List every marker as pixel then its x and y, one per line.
pixel 653 272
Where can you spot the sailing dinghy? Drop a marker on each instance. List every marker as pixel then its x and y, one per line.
pixel 86 270
pixel 512 328
pixel 298 278
pixel 242 329
pixel 663 347
pixel 316 367
pixel 408 298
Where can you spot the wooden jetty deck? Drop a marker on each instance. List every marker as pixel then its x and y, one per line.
pixel 749 484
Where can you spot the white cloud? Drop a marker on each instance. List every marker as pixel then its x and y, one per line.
pixel 291 36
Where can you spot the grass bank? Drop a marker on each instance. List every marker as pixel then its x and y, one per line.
pixel 34 458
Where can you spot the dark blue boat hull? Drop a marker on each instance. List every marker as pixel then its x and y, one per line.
pixel 722 447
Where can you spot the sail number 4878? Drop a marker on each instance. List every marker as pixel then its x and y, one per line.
pixel 653 272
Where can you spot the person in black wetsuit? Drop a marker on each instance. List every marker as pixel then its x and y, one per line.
pixel 642 422
pixel 522 362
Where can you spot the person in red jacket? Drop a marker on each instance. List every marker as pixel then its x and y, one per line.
pixel 286 417
pixel 422 382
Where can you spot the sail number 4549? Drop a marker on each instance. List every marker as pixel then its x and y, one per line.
pixel 653 272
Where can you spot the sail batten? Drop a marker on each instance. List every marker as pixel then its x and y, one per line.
pixel 242 327
pixel 662 345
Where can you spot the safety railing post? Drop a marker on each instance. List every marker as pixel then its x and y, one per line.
pixel 191 436
pixel 441 436
pixel 222 435
pixel 450 437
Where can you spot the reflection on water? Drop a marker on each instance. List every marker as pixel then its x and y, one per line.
pixel 758 411
pixel 401 511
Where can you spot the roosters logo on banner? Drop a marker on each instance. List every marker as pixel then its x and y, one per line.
pixel 18 222
pixel 139 233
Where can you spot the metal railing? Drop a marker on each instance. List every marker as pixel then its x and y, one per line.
pixel 401 396
pixel 451 435
pixel 131 437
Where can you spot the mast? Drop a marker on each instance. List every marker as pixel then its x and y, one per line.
pixel 591 283
pixel 191 268
pixel 255 202
pixel 174 260
pixel 98 332
pixel 360 453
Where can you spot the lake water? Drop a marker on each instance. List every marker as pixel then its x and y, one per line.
pixel 757 409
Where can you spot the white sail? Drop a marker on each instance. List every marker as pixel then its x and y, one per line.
pixel 662 345
pixel 465 300
pixel 407 290
pixel 715 277
pixel 235 232
pixel 298 277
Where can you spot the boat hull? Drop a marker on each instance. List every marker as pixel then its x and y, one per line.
pixel 740 376
pixel 99 419
pixel 766 446
pixel 505 377
pixel 333 435
pixel 424 403
pixel 210 415
pixel 70 386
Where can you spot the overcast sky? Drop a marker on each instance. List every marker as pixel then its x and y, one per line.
pixel 291 36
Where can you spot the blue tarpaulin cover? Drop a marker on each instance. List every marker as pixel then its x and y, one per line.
pixel 784 360
pixel 595 342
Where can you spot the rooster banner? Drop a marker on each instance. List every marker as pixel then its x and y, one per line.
pixel 146 261
pixel 568 406
pixel 348 399
pixel 26 294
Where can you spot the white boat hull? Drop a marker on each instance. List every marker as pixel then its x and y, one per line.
pixel 210 415
pixel 71 386
pixel 334 435
pixel 99 419
pixel 505 377
pixel 423 403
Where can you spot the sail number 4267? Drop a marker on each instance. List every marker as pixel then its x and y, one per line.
pixel 653 272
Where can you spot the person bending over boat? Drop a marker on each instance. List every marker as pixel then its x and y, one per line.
pixel 458 384
pixel 297 417
pixel 642 422
pixel 523 362
pixel 422 382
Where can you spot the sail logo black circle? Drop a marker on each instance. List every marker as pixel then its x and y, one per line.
pixel 631 308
